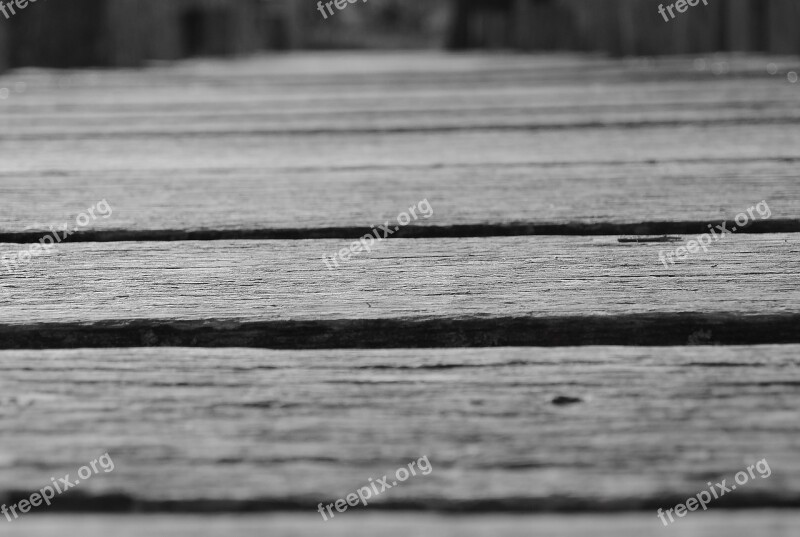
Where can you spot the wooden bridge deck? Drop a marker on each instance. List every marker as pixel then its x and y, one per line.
pixel 230 181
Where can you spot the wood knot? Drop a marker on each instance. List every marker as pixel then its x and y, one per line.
pixel 563 400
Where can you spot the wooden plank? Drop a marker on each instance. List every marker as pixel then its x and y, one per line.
pixel 660 197
pixel 335 81
pixel 371 99
pixel 257 118
pixel 732 524
pixel 429 292
pixel 617 197
pixel 596 145
pixel 237 429
pixel 251 84
pixel 81 99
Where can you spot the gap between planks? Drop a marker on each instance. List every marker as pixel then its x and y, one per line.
pixel 652 229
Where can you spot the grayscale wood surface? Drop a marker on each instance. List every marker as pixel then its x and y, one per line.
pixel 569 154
pixel 621 197
pixel 510 429
pixel 218 287
pixel 497 140
pixel 134 288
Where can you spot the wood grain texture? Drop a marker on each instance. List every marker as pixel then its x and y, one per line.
pixel 504 142
pixel 312 91
pixel 679 196
pixel 384 115
pixel 498 145
pixel 236 429
pixel 743 524
pixel 422 292
pixel 377 93
pixel 396 149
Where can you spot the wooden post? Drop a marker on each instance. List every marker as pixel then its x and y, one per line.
pixel 746 25
pixel 522 19
pixel 4 46
pixel 784 27
pixel 58 34
pixel 602 26
pixel 699 30
pixel 627 26
pixel 279 22
pixel 130 32
pixel 542 24
pixel 486 23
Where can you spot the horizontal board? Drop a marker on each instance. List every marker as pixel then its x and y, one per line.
pixel 253 122
pixel 79 105
pixel 389 93
pixel 310 71
pixel 423 292
pixel 509 429
pixel 82 107
pixel 738 524
pixel 253 151
pixel 679 196
pixel 88 112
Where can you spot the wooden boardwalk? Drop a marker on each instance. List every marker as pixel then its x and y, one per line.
pixel 230 181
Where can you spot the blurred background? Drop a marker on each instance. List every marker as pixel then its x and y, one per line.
pixel 125 33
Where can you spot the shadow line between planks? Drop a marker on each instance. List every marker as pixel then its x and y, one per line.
pixel 663 329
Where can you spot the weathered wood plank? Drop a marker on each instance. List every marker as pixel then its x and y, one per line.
pixel 265 95
pixel 257 123
pixel 662 197
pixel 83 110
pixel 253 151
pixel 69 95
pixel 422 292
pixel 732 524
pixel 312 71
pixel 233 429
